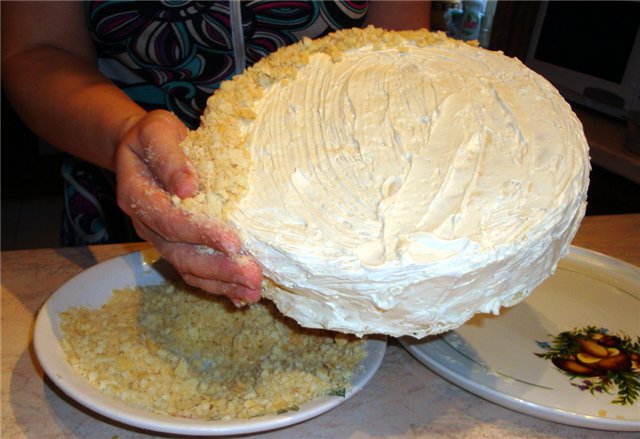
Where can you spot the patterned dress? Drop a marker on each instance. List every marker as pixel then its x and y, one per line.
pixel 173 55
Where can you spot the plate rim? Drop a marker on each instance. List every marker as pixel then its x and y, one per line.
pixel 45 329
pixel 582 256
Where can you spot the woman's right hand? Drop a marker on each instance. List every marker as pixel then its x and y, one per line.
pixel 150 168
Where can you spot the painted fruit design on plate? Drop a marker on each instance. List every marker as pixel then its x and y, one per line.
pixel 598 361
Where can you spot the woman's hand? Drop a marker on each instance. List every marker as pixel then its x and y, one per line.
pixel 49 73
pixel 150 168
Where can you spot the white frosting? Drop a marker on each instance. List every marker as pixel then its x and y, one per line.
pixel 401 192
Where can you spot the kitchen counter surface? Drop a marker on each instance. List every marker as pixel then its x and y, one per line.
pixel 404 399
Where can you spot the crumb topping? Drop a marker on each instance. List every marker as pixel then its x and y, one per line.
pixel 172 351
pixel 217 147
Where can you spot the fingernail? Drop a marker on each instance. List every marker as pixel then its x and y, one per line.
pixel 244 296
pixel 184 184
pixel 247 277
pixel 229 245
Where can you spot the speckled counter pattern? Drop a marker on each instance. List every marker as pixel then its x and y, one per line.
pixel 404 398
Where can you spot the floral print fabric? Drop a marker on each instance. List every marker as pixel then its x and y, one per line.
pixel 174 54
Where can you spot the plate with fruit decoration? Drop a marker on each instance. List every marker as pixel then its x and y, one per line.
pixel 569 353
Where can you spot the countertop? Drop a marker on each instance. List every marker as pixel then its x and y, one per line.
pixel 404 399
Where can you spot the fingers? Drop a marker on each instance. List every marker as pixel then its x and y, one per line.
pixel 150 169
pixel 158 213
pixel 141 197
pixel 239 294
pixel 211 264
pixel 157 146
pixel 237 277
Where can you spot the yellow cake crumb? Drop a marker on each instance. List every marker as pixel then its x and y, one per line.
pixel 217 147
pixel 172 351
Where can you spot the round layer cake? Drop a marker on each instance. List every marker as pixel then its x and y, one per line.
pixel 392 182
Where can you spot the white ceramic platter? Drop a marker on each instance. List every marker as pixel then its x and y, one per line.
pixel 92 288
pixel 590 297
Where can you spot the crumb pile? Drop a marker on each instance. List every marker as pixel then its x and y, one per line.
pixel 173 351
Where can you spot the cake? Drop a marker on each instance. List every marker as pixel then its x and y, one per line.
pixel 392 182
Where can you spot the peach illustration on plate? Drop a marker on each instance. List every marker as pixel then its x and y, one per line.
pixel 604 362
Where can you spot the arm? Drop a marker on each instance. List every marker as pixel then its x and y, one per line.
pixel 399 15
pixel 50 76
pixel 48 62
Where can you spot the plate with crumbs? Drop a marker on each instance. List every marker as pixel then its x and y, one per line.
pixel 569 353
pixel 93 288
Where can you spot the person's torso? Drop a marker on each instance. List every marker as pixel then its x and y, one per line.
pixel 174 54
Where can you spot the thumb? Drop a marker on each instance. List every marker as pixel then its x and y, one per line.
pixel 159 147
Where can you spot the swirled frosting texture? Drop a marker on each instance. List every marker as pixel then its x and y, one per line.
pixel 402 190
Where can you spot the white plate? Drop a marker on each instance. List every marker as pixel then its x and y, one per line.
pixel 494 356
pixel 92 288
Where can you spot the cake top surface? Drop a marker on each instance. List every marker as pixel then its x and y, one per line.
pixel 358 166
